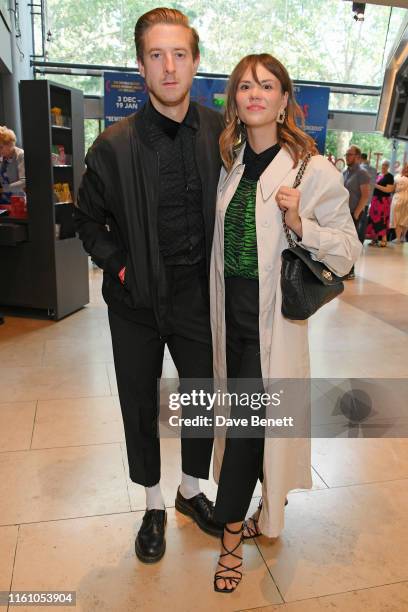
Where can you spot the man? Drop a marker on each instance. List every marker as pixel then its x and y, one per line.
pixel 152 180
pixel 372 173
pixel 357 182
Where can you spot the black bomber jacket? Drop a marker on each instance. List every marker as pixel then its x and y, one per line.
pixel 117 207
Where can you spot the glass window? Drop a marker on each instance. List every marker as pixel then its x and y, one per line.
pixel 316 40
pixel 92 85
pixel 93 128
pixel 4 11
pixel 354 102
pixel 375 145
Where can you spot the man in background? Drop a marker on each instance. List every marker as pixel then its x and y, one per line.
pixel 372 173
pixel 357 183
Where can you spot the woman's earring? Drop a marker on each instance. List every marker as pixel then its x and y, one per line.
pixel 239 128
pixel 281 116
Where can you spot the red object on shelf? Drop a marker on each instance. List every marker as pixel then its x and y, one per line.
pixel 18 207
pixel 62 159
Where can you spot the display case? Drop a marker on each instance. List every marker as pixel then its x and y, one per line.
pixel 44 266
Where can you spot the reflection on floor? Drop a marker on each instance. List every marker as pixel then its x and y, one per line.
pixel 69 514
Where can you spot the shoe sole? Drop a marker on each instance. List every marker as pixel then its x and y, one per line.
pixel 146 559
pixel 196 517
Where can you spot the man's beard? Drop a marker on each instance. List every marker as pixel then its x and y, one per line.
pixel 166 102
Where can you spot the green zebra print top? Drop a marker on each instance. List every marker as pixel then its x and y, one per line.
pixel 240 248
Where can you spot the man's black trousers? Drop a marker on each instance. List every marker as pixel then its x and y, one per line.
pixel 138 350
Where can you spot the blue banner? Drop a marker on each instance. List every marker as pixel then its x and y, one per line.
pixel 314 102
pixel 125 93
pixel 209 92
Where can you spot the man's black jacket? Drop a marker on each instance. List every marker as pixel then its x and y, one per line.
pixel 117 207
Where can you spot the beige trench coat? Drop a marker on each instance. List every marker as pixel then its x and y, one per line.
pixel 329 234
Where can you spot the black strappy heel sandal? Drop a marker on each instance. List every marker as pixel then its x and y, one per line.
pixel 218 575
pixel 251 524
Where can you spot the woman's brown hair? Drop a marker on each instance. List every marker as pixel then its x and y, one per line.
pixel 290 136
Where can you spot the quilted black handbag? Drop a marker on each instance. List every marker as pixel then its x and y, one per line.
pixel 306 284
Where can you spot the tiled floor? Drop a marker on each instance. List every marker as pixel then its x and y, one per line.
pixel 69 513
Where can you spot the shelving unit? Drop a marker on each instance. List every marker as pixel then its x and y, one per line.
pixel 13 220
pixel 48 271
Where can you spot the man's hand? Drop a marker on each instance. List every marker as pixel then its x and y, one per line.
pixel 288 199
pixel 363 201
pixel 122 275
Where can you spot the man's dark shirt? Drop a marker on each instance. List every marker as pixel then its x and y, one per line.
pixel 180 217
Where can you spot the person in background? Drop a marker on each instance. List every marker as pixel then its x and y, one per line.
pixel 379 215
pixel 372 173
pixel 357 183
pixel 400 204
pixel 12 170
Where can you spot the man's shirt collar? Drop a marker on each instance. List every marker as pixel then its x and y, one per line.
pixel 167 125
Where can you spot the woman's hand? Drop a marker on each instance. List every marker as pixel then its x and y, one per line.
pixel 288 199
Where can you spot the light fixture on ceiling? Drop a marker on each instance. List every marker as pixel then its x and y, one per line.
pixel 358 9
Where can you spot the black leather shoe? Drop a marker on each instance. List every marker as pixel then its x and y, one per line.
pixel 201 510
pixel 150 544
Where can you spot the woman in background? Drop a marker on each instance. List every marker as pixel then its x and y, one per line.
pixel 379 213
pixel 400 204
pixel 12 170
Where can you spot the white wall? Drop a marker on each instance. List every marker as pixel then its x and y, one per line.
pixel 5 48
pixel 14 66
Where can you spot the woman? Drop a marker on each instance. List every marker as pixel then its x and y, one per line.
pixel 400 204
pixel 12 171
pixel 379 214
pixel 251 338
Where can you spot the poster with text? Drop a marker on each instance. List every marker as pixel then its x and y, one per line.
pixel 125 93
pixel 314 102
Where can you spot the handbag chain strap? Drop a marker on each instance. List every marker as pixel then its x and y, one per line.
pixel 296 184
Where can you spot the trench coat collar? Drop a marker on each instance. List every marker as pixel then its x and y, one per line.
pixel 275 173
pixel 237 167
pixel 271 178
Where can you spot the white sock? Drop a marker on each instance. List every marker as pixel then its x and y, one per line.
pixel 154 498
pixel 190 486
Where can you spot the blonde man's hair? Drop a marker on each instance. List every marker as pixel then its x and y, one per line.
pixel 159 16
